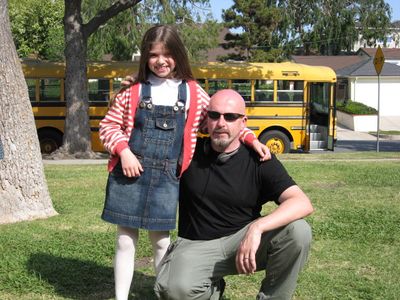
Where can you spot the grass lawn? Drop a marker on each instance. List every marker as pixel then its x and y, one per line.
pixel 355 252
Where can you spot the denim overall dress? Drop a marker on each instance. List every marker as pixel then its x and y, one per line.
pixel 150 200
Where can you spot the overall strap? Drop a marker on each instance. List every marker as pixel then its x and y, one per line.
pixel 182 92
pixel 145 101
pixel 146 91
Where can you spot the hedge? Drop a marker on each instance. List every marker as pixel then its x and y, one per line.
pixel 356 108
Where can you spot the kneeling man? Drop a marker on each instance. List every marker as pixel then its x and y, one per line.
pixel 221 231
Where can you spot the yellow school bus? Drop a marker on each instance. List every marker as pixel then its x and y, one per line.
pixel 290 107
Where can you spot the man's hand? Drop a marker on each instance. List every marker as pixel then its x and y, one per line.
pixel 262 150
pixel 131 167
pixel 128 81
pixel 246 254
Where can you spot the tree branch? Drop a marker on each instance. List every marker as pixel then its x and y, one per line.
pixel 104 15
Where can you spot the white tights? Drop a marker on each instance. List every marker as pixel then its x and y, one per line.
pixel 124 260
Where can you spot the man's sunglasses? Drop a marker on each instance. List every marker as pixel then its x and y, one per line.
pixel 229 117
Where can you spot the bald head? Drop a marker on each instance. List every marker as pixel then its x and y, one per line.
pixel 229 98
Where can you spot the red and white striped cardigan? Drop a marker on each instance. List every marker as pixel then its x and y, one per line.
pixel 117 125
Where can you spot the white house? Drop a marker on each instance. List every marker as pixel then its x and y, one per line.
pixel 363 83
pixel 358 81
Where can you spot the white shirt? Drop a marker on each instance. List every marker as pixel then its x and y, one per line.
pixel 165 91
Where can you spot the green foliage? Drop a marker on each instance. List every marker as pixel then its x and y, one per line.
pixel 117 38
pixel 199 39
pixel 355 196
pixel 335 27
pixel 374 17
pixel 355 108
pixel 121 36
pixel 37 28
pixel 258 21
pixel 281 27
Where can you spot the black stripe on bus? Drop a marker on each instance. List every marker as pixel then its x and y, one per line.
pixel 49 117
pixel 63 117
pixel 48 104
pixel 274 104
pixel 63 104
pixel 275 117
pixel 292 128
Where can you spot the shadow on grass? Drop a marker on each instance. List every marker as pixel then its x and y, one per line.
pixel 77 279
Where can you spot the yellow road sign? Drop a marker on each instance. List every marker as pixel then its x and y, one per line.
pixel 379 60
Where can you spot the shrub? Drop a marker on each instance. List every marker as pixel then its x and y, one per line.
pixel 356 108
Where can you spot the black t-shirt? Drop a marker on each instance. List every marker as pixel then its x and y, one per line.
pixel 218 199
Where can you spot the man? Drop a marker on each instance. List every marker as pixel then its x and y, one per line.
pixel 220 229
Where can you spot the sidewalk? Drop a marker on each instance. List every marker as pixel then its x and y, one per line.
pixel 345 134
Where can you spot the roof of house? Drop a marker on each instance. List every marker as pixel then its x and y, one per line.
pixel 334 62
pixel 349 65
pixel 388 53
pixel 367 68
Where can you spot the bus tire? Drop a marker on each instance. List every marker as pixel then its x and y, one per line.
pixel 50 140
pixel 276 140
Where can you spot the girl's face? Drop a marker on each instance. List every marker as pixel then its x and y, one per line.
pixel 160 61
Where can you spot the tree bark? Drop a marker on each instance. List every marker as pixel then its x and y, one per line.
pixel 77 133
pixel 23 188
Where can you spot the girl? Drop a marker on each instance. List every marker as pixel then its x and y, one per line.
pixel 150 132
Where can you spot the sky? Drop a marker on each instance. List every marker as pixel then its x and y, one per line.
pixel 218 5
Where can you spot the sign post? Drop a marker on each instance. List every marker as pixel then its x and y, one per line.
pixel 379 61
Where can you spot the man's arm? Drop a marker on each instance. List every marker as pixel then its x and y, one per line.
pixel 294 205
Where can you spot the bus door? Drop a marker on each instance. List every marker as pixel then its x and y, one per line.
pixel 321 116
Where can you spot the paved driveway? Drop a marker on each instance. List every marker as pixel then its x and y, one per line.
pixel 348 140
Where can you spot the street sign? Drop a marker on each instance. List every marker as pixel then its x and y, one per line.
pixel 379 60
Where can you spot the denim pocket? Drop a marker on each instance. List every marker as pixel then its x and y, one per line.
pixel 165 124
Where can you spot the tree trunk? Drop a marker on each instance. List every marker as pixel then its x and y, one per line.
pixel 23 188
pixel 77 134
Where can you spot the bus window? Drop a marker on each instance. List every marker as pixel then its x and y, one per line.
pixel 202 83
pixel 214 85
pixel 99 89
pixel 31 83
pixel 50 89
pixel 264 90
pixel 243 87
pixel 116 84
pixel 290 90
